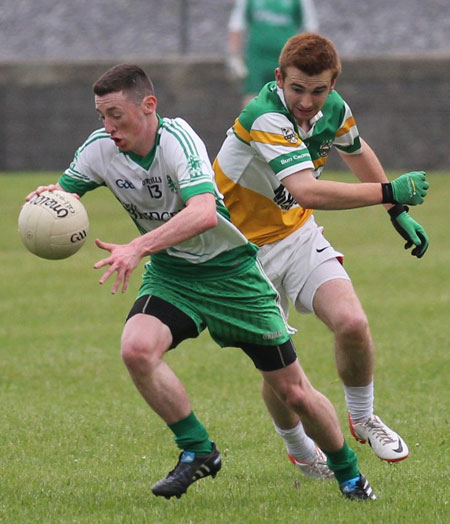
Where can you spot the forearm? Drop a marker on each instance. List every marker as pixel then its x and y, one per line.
pixel 410 189
pixel 189 222
pixel 311 193
pixel 329 195
pixel 235 42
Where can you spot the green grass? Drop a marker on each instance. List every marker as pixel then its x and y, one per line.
pixel 79 445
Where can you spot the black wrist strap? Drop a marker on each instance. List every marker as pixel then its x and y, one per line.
pixel 396 210
pixel 388 194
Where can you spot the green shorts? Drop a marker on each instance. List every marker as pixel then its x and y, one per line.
pixel 241 309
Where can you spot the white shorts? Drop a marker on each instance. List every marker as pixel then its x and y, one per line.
pixel 299 264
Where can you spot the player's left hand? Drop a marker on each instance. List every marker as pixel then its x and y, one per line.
pixel 410 188
pixel 123 259
pixel 50 187
pixel 236 67
pixel 410 230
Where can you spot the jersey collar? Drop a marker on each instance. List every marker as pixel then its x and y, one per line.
pixel 313 121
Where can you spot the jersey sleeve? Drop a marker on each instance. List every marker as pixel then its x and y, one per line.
pixel 238 20
pixel 276 142
pixel 187 159
pixel 309 16
pixel 84 172
pixel 347 136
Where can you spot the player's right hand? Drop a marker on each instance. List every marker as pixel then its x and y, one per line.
pixel 123 260
pixel 410 188
pixel 410 230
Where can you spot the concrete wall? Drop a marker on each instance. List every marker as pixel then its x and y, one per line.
pixel 402 107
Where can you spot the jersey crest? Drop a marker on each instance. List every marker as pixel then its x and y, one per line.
pixel 325 148
pixel 171 184
pixel 289 135
pixel 195 166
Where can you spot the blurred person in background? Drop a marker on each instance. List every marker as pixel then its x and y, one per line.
pixel 258 29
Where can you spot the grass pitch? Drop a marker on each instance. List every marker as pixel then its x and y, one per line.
pixel 79 445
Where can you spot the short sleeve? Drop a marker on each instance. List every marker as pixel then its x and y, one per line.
pixel 276 141
pixel 187 159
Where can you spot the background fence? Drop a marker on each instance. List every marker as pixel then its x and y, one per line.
pixel 396 74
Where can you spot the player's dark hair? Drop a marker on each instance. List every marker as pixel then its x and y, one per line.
pixel 311 53
pixel 130 79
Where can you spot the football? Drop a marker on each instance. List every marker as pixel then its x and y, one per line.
pixel 53 225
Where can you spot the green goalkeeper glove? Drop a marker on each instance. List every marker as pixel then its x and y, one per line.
pixel 409 229
pixel 410 188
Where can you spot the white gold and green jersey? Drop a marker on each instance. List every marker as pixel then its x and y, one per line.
pixel 264 146
pixel 154 188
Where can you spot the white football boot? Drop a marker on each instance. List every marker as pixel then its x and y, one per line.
pixel 317 469
pixel 386 444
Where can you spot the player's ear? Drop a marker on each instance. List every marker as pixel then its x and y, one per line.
pixel 149 104
pixel 279 77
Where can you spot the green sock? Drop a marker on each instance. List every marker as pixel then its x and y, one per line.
pixel 190 435
pixel 343 463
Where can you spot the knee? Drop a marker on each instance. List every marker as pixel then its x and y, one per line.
pixel 144 342
pixel 296 397
pixel 134 353
pixel 139 351
pixel 352 325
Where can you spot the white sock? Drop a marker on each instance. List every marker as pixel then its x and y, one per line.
pixel 297 443
pixel 359 401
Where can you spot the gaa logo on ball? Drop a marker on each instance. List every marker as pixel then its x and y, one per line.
pixel 53 225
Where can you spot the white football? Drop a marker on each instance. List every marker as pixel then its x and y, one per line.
pixel 53 225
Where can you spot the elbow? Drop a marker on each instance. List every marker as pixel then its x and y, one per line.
pixel 205 221
pixel 210 221
pixel 304 188
pixel 308 201
pixel 309 196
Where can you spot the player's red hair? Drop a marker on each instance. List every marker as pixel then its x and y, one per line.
pixel 311 53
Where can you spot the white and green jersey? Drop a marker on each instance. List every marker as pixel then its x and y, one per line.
pixel 154 188
pixel 264 146
pixel 265 26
